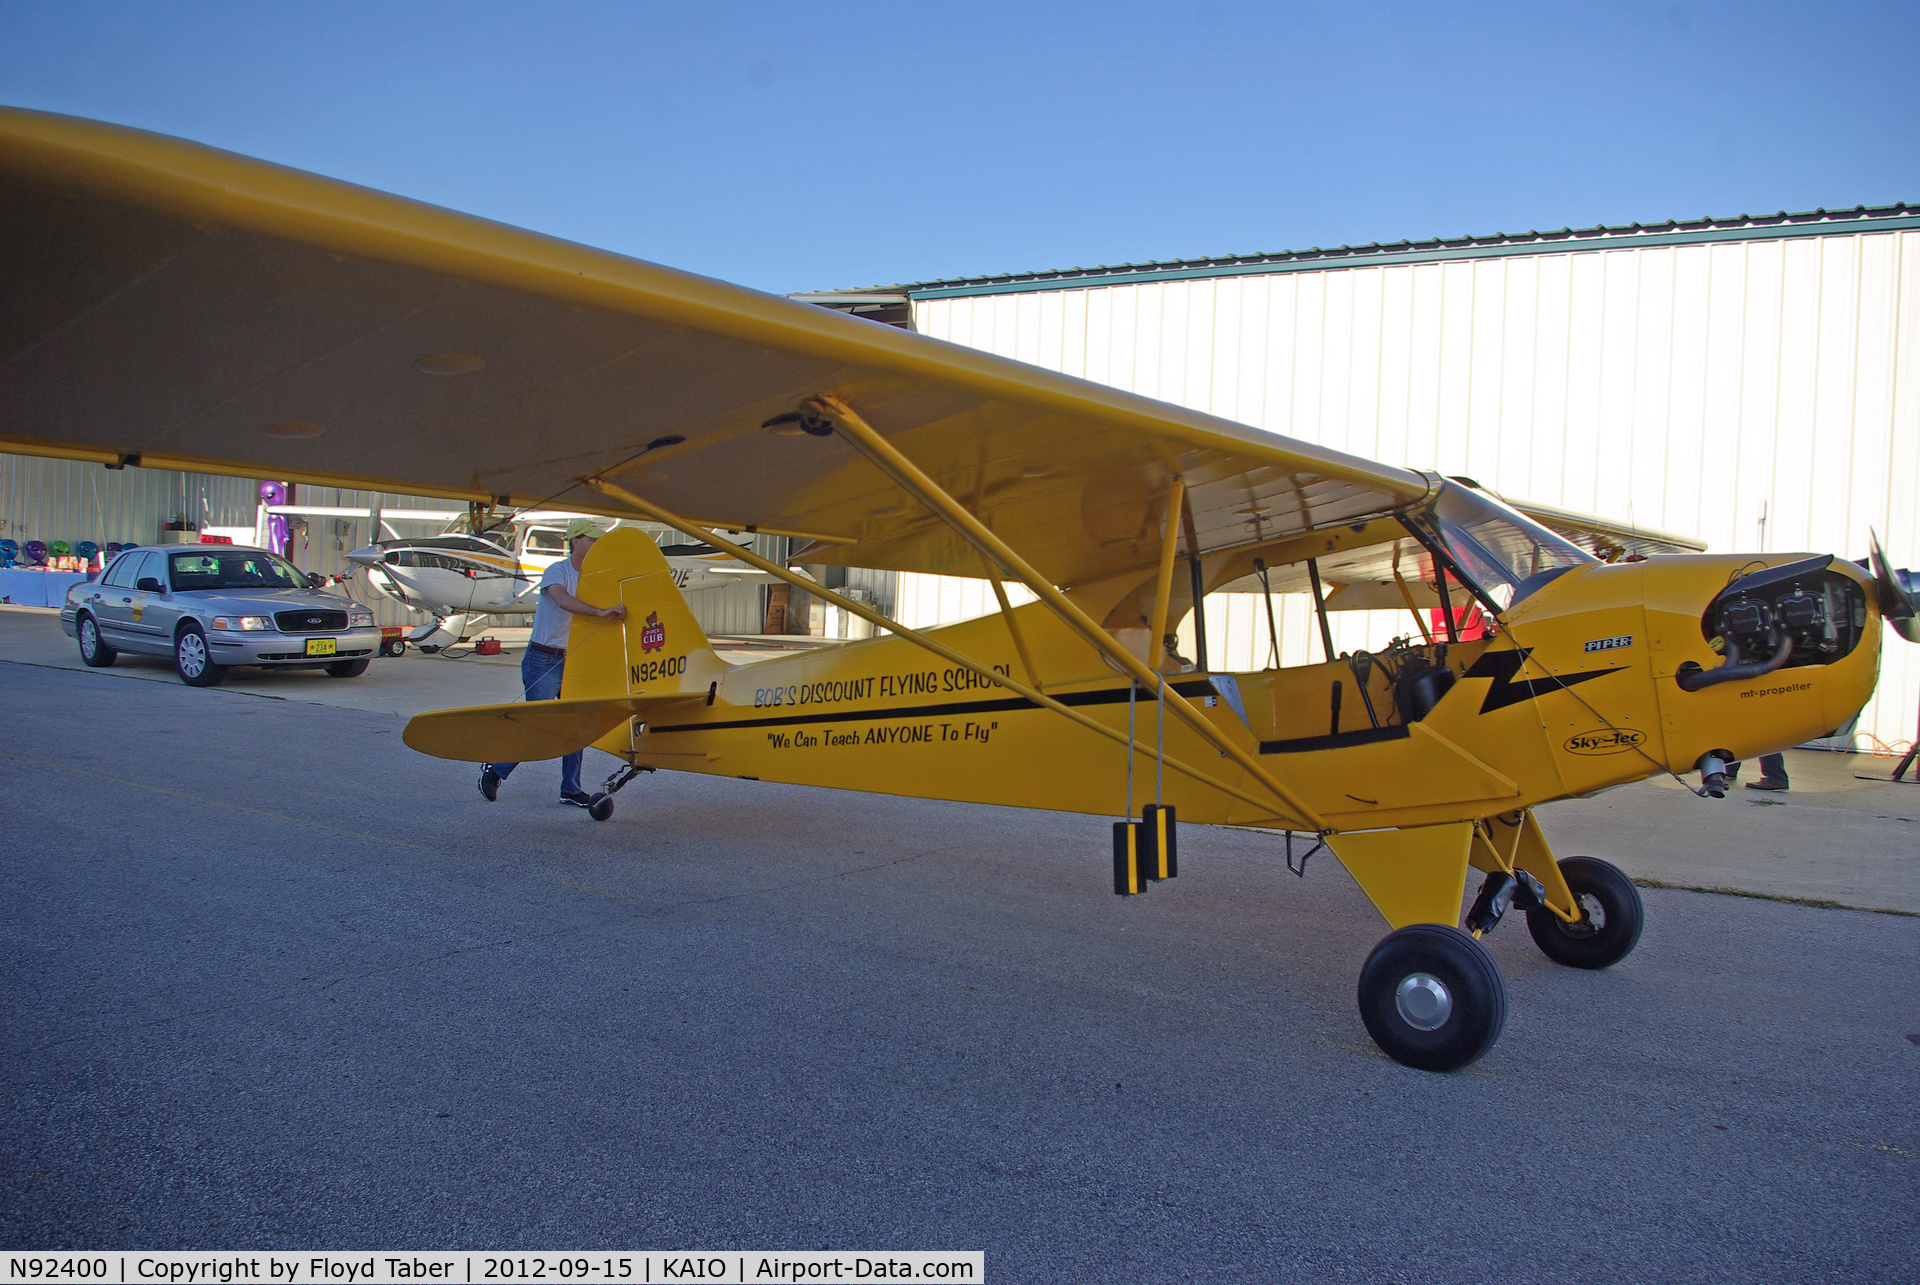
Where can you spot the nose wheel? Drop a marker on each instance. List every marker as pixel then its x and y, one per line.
pixel 1432 998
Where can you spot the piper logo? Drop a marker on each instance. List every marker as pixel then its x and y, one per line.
pixel 1609 644
pixel 654 635
pixel 1608 740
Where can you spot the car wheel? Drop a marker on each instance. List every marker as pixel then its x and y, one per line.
pixel 93 650
pixel 193 661
pixel 347 668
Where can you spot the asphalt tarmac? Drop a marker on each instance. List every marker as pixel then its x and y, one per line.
pixel 269 979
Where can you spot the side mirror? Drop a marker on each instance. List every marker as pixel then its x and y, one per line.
pixel 315 580
pixel 149 585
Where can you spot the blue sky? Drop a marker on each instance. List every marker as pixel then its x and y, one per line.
pixel 810 146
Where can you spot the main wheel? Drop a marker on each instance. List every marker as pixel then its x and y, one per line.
pixel 93 650
pixel 347 668
pixel 601 807
pixel 1613 916
pixel 1432 997
pixel 193 661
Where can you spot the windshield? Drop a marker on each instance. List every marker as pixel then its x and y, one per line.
pixel 1505 553
pixel 250 569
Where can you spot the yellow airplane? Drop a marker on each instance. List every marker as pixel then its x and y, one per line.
pixel 174 306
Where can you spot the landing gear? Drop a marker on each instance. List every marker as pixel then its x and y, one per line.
pixel 1612 916
pixel 600 806
pixel 1432 997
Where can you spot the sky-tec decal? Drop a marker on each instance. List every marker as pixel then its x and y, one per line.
pixel 654 636
pixel 1501 666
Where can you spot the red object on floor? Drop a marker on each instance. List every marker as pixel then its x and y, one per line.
pixel 487 647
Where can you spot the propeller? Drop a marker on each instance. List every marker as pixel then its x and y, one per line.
pixel 1895 591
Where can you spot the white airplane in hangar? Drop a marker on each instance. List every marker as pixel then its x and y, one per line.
pixel 463 574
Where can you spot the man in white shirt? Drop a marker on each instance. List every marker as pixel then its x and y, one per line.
pixel 546 660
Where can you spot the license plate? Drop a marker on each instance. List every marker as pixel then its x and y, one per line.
pixel 322 646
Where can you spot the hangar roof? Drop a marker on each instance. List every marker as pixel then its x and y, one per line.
pixel 881 301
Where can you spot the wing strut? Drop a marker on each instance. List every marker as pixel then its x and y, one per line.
pixel 1163 587
pixel 1013 627
pixel 862 610
pixel 881 453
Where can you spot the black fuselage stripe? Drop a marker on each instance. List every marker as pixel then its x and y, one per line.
pixel 1337 740
pixel 1006 705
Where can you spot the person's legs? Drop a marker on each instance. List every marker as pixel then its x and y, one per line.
pixel 1773 773
pixel 540 681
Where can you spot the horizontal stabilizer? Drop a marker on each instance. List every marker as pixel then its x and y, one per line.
pixel 524 730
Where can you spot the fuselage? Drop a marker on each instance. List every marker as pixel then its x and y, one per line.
pixel 498 574
pixel 1581 690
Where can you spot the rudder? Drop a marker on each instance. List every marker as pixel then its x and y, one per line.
pixel 660 651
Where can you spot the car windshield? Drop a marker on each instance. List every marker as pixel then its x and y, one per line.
pixel 1505 553
pixel 249 569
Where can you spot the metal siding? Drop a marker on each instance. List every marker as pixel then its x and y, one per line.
pixel 1694 387
pixel 48 499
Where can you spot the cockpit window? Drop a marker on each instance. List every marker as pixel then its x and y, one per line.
pixel 546 540
pixel 1506 554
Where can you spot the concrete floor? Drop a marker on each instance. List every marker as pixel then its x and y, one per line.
pixel 268 979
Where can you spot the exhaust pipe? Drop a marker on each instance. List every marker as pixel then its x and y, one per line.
pixel 1692 678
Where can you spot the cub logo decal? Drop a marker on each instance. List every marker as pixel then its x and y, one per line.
pixel 1607 740
pixel 654 635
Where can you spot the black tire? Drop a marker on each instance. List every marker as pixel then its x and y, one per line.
pixel 193 660
pixel 1450 979
pixel 1614 917
pixel 93 649
pixel 347 668
pixel 601 807
pixel 393 647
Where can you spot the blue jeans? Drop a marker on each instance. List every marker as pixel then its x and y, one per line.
pixel 540 674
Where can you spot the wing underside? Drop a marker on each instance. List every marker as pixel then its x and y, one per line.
pixel 178 306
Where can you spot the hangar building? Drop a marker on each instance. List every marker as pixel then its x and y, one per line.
pixel 1751 382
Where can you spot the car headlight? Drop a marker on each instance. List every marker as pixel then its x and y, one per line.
pixel 247 623
pixel 359 618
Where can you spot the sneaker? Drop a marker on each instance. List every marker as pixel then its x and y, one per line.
pixel 579 798
pixel 489 782
pixel 1764 784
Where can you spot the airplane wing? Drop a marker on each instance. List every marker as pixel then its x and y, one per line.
pixel 176 306
pixel 1607 540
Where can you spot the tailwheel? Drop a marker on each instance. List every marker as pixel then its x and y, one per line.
pixel 600 807
pixel 1611 917
pixel 1432 997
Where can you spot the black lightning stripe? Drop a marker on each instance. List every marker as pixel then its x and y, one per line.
pixel 1501 666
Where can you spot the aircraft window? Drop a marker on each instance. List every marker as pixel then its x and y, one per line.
pixel 1505 553
pixel 234 571
pixel 546 540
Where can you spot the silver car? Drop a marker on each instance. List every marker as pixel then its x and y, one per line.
pixel 211 606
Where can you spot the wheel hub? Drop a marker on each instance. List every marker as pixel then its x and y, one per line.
pixel 1424 1002
pixel 1596 913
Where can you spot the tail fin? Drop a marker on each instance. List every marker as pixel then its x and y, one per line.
pixel 659 650
pixel 616 671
